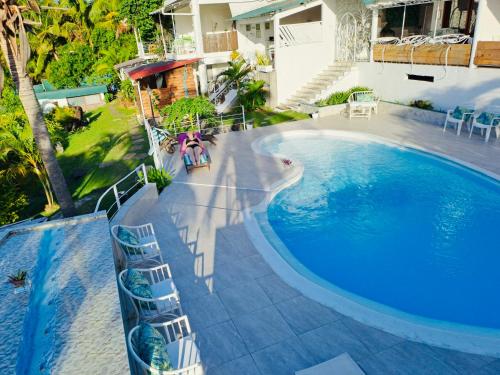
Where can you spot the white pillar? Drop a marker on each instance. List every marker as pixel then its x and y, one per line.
pixel 480 8
pixel 374 31
pixel 198 37
pixel 140 100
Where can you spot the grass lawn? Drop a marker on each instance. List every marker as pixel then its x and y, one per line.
pixel 93 159
pixel 267 116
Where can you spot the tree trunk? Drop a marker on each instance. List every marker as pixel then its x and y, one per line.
pixel 40 131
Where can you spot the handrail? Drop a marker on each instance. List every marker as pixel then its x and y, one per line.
pixel 116 193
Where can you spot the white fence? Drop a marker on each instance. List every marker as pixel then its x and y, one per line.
pixel 113 198
pixel 300 33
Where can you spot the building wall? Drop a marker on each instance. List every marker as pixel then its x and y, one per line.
pixel 298 65
pixel 173 91
pixel 249 41
pixel 489 26
pixel 216 17
pixel 183 24
pixel 479 87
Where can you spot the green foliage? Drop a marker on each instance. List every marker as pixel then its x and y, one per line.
pixel 237 72
pixel 102 39
pixel 12 202
pixel 158 176
pixel 422 104
pixel 185 110
pixel 74 64
pixel 137 12
pixel 18 277
pixel 340 97
pixel 252 95
pixel 262 59
pixel 127 91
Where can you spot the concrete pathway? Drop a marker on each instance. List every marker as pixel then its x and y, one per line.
pixel 247 320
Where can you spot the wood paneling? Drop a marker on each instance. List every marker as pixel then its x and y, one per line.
pixel 458 54
pixel 488 54
pixel 220 42
pixel 179 82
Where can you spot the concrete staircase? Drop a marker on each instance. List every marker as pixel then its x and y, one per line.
pixel 311 91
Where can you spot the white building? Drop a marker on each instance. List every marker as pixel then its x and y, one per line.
pixel 321 46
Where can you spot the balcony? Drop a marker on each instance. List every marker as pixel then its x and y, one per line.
pixel 430 54
pixel 220 41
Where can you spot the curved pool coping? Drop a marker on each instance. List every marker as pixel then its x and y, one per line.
pixel 470 339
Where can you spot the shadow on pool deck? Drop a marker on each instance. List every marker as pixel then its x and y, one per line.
pixel 246 319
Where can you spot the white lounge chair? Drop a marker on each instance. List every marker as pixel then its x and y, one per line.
pixel 174 348
pixel 138 245
pixel 362 103
pixel 457 117
pixel 151 291
pixel 488 121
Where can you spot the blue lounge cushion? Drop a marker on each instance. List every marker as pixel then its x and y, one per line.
pixel 127 236
pixel 134 277
pixel 486 118
pixel 152 348
pixel 187 160
pixel 458 113
pixel 203 159
pixel 365 97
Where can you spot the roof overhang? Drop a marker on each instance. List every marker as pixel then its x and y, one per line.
pixel 148 70
pixel 381 4
pixel 170 5
pixel 270 9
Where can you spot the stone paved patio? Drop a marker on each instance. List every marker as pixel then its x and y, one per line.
pixel 246 319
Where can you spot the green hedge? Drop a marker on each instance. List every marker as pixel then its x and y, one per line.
pixel 340 97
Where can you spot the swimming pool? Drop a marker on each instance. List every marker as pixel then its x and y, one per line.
pixel 394 229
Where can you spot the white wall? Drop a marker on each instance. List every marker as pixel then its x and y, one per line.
pixel 183 24
pixel 489 23
pixel 216 17
pixel 298 65
pixel 248 41
pixel 479 87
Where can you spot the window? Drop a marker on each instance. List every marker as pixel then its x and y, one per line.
pixel 459 16
pixel 257 30
pixel 417 20
pixel 248 28
pixel 267 25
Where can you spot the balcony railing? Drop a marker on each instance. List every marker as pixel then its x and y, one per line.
pixel 430 54
pixel 220 41
pixel 300 33
pixel 181 46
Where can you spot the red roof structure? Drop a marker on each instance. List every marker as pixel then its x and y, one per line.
pixel 157 67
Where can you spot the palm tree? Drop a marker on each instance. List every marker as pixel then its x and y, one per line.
pixel 18 151
pixel 16 50
pixel 236 73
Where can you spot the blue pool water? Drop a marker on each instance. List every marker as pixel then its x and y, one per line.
pixel 394 226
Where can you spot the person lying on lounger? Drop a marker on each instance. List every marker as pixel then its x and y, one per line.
pixel 193 147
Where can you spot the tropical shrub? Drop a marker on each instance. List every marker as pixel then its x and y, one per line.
pixel 127 91
pixel 422 104
pixel 73 66
pixel 340 97
pixel 182 113
pixel 12 202
pixel 138 13
pixel 252 95
pixel 236 73
pixel 158 176
pixel 262 59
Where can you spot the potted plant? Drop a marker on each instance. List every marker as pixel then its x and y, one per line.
pixel 263 63
pixel 18 280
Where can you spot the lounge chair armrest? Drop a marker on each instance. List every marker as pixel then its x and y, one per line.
pixel 175 329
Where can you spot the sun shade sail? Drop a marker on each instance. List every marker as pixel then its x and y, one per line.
pixel 271 9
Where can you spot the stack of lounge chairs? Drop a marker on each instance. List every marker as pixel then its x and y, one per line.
pixel 161 341
pixel 485 121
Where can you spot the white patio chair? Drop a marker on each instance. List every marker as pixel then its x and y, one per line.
pixel 151 291
pixel 138 245
pixel 486 121
pixel 362 103
pixel 457 117
pixel 174 339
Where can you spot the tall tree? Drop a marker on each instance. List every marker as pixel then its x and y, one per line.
pixel 16 50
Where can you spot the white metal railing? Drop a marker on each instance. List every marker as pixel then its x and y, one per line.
pixel 221 123
pixel 128 183
pixel 181 46
pixel 300 33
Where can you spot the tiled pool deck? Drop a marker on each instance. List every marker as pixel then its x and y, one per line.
pixel 247 320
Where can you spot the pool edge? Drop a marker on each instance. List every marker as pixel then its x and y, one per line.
pixel 470 339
